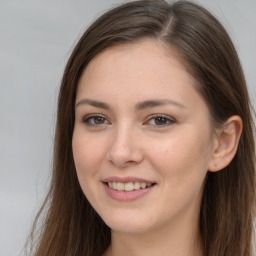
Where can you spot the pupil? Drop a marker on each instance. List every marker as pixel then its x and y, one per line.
pixel 160 120
pixel 98 120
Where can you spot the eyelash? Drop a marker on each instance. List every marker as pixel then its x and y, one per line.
pixel 166 118
pixel 87 119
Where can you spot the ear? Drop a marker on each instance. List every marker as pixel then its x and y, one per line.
pixel 225 143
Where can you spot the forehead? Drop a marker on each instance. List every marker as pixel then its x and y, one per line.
pixel 155 54
pixel 146 58
pixel 141 70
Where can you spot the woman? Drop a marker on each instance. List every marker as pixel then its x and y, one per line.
pixel 154 147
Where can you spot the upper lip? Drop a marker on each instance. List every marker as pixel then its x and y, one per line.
pixel 126 179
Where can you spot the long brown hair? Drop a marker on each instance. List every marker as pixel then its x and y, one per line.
pixel 71 226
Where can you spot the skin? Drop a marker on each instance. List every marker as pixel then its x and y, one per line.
pixel 175 153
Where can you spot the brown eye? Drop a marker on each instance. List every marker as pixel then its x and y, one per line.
pixel 99 120
pixel 160 121
pixel 95 120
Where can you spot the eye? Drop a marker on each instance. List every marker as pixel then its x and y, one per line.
pixel 95 120
pixel 160 120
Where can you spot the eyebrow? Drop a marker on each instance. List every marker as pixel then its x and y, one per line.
pixel 139 106
pixel 94 103
pixel 156 103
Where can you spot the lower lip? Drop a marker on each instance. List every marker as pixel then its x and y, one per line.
pixel 127 195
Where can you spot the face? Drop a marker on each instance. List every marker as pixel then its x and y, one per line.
pixel 142 138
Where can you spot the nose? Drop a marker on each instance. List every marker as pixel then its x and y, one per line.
pixel 125 148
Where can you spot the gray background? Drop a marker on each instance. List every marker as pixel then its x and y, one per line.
pixel 36 38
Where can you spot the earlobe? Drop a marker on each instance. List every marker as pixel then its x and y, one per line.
pixel 226 144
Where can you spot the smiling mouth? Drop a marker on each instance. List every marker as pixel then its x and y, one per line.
pixel 128 186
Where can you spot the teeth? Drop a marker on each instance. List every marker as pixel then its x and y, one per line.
pixel 136 185
pixel 143 185
pixel 129 186
pixel 119 186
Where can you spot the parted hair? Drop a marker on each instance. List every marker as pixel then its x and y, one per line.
pixel 66 224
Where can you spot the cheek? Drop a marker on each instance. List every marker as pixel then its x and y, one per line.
pixel 88 153
pixel 182 165
pixel 182 159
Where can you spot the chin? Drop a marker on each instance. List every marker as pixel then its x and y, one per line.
pixel 127 223
pixel 127 227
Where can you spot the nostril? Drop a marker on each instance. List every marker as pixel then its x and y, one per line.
pixel 130 162
pixel 123 164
